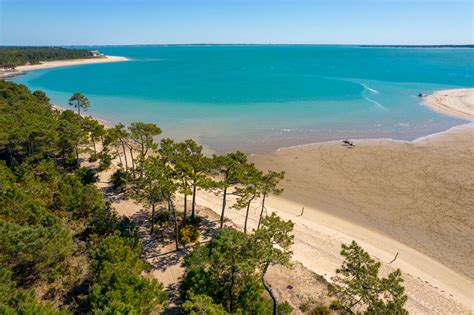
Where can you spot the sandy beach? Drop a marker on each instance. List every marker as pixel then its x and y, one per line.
pixel 409 200
pixel 457 103
pixel 62 63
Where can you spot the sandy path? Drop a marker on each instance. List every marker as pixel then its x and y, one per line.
pixel 62 63
pixel 458 103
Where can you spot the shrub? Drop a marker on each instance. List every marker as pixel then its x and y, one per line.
pixel 163 218
pixel 119 179
pixel 118 285
pixel 196 221
pixel 320 310
pixel 70 162
pixel 93 157
pixel 284 309
pixel 188 234
pixel 105 161
pixel 336 306
pixel 33 251
pixel 87 175
pixel 202 304
pixel 19 301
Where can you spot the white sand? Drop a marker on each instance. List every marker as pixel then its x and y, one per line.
pixel 457 103
pixel 62 63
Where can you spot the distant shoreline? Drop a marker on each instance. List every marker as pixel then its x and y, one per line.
pixel 61 63
pixel 274 44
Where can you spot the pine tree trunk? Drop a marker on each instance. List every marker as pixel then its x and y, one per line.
pixel 152 217
pixel 193 207
pixel 185 207
pixel 125 157
pixel 120 157
pixel 261 212
pixel 269 290
pixel 78 163
pixel 247 214
pixel 223 207
pixel 231 290
pixel 133 162
pixel 176 229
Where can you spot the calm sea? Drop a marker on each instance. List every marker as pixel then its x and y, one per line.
pixel 259 98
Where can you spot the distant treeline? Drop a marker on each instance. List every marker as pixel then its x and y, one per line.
pixel 11 57
pixel 417 46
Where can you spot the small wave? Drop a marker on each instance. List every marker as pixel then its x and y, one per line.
pixel 376 103
pixel 374 91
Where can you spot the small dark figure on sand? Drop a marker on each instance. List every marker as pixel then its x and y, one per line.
pixel 348 143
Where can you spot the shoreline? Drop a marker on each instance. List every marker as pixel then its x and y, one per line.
pixel 458 103
pixel 391 196
pixel 433 286
pixel 440 101
pixel 466 124
pixel 61 63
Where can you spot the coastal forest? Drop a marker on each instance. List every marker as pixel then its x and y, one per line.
pixel 11 57
pixel 64 249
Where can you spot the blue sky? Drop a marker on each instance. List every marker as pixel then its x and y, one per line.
pixel 90 22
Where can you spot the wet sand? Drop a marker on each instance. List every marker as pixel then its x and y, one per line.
pixel 411 197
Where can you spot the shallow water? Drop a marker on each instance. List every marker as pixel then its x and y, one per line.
pixel 259 98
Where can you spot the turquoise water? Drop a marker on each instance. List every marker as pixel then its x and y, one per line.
pixel 259 98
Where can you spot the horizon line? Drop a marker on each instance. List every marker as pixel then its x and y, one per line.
pixel 253 44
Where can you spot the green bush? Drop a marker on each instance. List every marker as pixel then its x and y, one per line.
pixel 19 301
pixel 119 179
pixel 163 218
pixel 76 199
pixel 284 309
pixel 188 234
pixel 105 161
pixel 87 175
pixel 70 162
pixel 336 305
pixel 93 157
pixel 202 304
pixel 33 251
pixel 118 285
pixel 320 310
